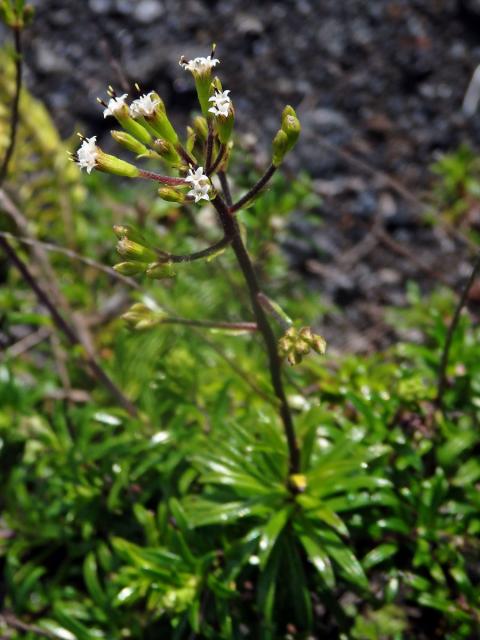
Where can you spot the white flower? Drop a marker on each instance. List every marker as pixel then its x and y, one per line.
pixel 221 103
pixel 87 154
pixel 200 184
pixel 199 66
pixel 114 104
pixel 144 106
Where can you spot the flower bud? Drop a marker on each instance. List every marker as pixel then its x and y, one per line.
pixel 280 147
pixel 190 142
pixel 291 126
pixel 161 270
pixel 129 142
pixel 294 345
pixel 130 268
pixel 200 127
pixel 167 151
pixel 126 231
pixel 298 482
pixel 134 251
pixel 112 164
pixel 171 195
pixel 140 316
pixel 122 114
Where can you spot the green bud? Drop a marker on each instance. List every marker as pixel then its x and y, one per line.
pixel 201 128
pixel 130 125
pixel 161 270
pixel 171 195
pixel 280 147
pixel 291 126
pixel 139 316
pixel 191 137
pixel 126 231
pixel 130 268
pixel 112 164
pixel 135 251
pixel 288 111
pixel 167 151
pixel 129 142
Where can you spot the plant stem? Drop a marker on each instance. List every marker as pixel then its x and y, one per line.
pixel 168 180
pixel 198 255
pixel 15 104
pixel 225 187
pixel 442 372
pixel 212 324
pixel 218 159
pixel 232 230
pixel 209 151
pixel 255 189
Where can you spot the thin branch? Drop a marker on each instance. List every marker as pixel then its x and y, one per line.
pixel 66 329
pixel 208 154
pixel 190 160
pixel 254 191
pixel 442 372
pixel 212 324
pixel 15 104
pixel 168 180
pixel 218 159
pixel 197 255
pixel 222 176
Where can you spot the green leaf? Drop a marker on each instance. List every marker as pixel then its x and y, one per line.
pixel 271 532
pixel 379 554
pixel 344 558
pixel 319 558
pixel 90 575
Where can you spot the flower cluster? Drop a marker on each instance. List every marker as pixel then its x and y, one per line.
pixel 87 154
pixel 295 344
pixel 200 184
pixel 145 105
pixel 199 66
pixel 221 104
pixel 115 104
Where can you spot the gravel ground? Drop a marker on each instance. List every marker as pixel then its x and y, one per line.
pixel 379 85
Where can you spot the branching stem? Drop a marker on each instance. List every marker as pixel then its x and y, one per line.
pixel 198 255
pixel 254 191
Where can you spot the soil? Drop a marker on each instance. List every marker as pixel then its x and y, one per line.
pixel 379 86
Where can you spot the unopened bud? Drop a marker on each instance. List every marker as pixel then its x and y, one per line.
pixel 126 231
pixel 280 147
pixel 112 164
pixel 134 251
pixel 167 151
pixel 161 270
pixel 171 195
pixel 191 137
pixel 129 142
pixel 291 126
pixel 130 268
pixel 201 128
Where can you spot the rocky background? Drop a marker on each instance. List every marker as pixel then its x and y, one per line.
pixel 378 84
